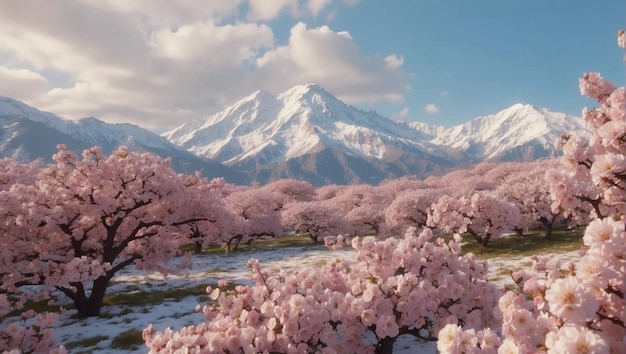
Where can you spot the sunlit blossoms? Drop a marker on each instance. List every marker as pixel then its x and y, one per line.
pixel 71 226
pixel 395 287
pixel 581 307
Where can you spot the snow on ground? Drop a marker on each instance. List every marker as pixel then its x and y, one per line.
pixel 207 270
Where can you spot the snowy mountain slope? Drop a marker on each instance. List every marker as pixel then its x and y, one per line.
pixel 264 129
pixel 300 132
pixel 520 132
pixel 430 130
pixel 304 133
pixel 28 134
pixel 291 124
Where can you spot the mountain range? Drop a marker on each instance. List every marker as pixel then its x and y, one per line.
pixel 303 133
pixel 307 133
pixel 28 134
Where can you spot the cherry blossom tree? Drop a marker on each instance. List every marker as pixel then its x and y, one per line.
pixel 398 185
pixel 257 213
pixel 465 182
pixel 316 218
pixel 575 307
pixel 395 287
pixel 410 208
pixel 529 190
pixel 291 190
pixel 215 222
pixel 364 208
pixel 84 220
pixel 12 171
pixel 328 191
pixel 33 332
pixel 483 216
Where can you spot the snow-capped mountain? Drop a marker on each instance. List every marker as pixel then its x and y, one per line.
pixel 430 130
pixel 306 132
pixel 520 132
pixel 303 133
pixel 27 133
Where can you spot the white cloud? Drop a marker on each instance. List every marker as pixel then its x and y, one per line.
pixel 315 7
pixel 208 42
pixel 21 83
pixel 333 60
pixel 431 108
pixel 168 13
pixel 444 93
pixel 269 10
pixel 401 116
pixel 158 65
pixel 394 62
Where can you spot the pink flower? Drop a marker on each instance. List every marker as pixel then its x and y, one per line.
pixel 570 300
pixel 508 347
pixel 523 322
pixel 580 340
pixel 386 326
pixel 449 338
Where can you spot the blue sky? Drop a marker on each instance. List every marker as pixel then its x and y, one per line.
pixel 160 63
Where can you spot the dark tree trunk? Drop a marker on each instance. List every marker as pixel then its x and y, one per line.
pixel 385 346
pixel 88 306
pixel 482 241
pixel 198 247
pixel 486 240
pixel 547 226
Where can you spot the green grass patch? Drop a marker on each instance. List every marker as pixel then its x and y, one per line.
pixel 532 243
pixel 268 242
pixel 128 340
pixel 85 342
pixel 139 298
pixel 37 306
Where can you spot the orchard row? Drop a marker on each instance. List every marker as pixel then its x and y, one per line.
pixel 71 226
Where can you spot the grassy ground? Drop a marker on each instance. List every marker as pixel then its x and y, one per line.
pixel 534 242
pixel 269 242
pixel 529 244
pixel 135 299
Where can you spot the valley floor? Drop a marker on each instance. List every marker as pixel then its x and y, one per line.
pixel 121 324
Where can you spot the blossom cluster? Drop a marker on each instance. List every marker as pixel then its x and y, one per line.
pixel 393 287
pixel 576 307
pixel 483 216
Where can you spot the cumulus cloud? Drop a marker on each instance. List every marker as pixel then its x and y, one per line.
pixel 159 63
pixel 269 10
pixel 401 116
pixel 431 108
pixel 315 7
pixel 21 83
pixel 333 60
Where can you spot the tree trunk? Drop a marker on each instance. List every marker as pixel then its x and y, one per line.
pixel 385 346
pixel 481 241
pixel 547 226
pixel 198 247
pixel 88 306
pixel 486 240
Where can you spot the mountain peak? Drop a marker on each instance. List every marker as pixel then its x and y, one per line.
pixel 503 134
pixel 307 92
pixel 523 108
pixel 258 95
pixel 310 87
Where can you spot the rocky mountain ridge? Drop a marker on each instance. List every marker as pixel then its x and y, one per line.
pixel 304 133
